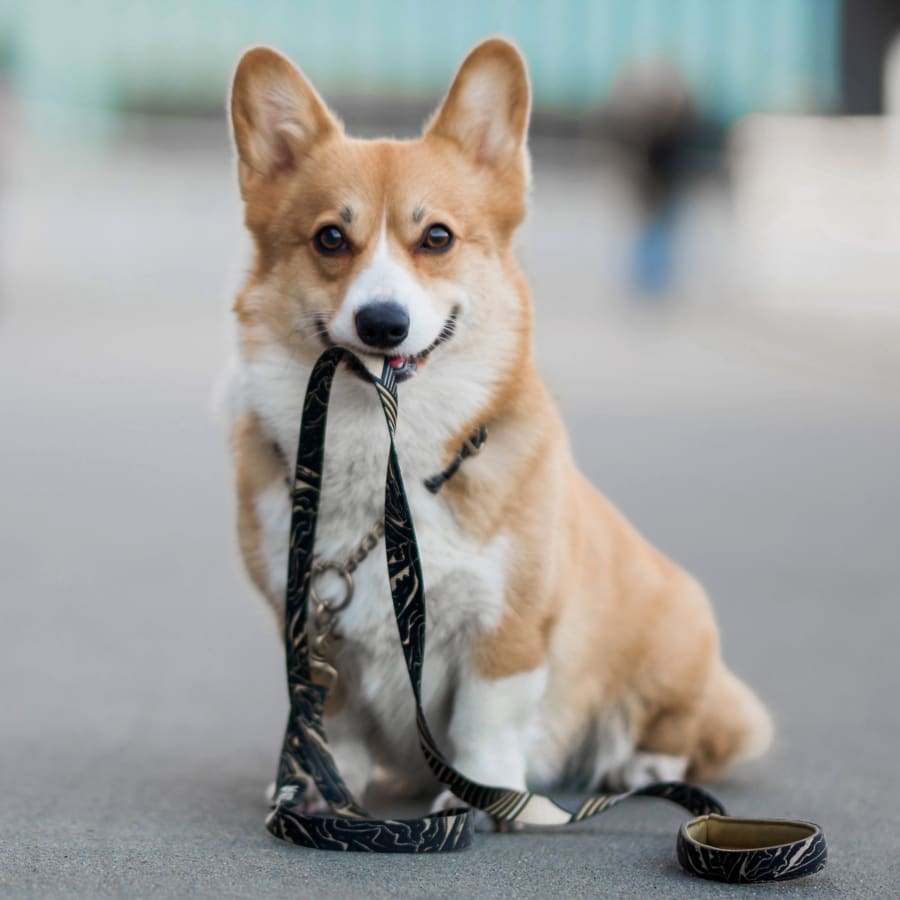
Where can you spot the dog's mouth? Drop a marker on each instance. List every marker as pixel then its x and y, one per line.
pixel 403 367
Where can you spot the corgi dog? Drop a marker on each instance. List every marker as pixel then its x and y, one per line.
pixel 562 649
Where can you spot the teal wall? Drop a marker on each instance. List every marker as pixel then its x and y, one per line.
pixel 738 55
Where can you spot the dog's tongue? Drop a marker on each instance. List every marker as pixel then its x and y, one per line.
pixel 404 367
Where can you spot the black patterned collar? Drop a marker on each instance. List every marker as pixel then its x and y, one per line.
pixel 471 447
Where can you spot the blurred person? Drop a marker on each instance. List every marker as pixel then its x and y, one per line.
pixel 669 145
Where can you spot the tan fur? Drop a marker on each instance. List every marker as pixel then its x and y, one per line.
pixel 259 466
pixel 618 625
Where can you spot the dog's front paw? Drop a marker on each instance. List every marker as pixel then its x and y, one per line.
pixel 484 822
pixel 311 802
pixel 643 769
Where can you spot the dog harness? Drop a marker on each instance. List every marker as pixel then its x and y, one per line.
pixel 711 845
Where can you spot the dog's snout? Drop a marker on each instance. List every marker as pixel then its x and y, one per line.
pixel 382 324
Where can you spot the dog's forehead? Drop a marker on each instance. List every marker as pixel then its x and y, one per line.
pixel 368 181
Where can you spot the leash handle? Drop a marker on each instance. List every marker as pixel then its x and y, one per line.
pixel 305 757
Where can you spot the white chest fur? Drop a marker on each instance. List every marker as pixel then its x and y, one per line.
pixel 465 580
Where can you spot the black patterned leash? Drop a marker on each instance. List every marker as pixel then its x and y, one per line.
pixel 306 759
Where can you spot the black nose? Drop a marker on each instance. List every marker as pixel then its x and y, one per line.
pixel 382 324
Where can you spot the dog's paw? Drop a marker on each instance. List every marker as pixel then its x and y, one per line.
pixel 311 802
pixel 643 769
pixel 484 822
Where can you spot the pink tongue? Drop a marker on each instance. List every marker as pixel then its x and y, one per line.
pixel 397 361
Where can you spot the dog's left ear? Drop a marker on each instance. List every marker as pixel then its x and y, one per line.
pixel 487 108
pixel 276 115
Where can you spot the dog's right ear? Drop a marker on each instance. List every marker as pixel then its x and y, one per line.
pixel 276 115
pixel 486 111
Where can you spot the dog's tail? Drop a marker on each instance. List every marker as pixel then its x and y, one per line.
pixel 735 726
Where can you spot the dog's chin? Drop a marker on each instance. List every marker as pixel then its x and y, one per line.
pixel 403 367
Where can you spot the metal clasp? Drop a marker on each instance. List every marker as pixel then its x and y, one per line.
pixel 322 623
pixel 324 618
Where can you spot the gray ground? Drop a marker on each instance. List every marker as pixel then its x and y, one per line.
pixel 141 693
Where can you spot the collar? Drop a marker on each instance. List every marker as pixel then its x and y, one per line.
pixel 472 446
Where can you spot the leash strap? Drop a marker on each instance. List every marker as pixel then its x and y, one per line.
pixel 305 756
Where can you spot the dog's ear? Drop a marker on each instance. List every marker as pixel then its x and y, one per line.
pixel 276 115
pixel 487 108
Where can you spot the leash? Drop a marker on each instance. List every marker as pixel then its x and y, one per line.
pixel 711 845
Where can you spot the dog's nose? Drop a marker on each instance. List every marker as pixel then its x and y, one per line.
pixel 382 324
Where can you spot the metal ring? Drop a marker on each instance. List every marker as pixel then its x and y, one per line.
pixel 320 569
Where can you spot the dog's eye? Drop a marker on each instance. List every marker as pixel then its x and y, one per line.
pixel 437 239
pixel 330 240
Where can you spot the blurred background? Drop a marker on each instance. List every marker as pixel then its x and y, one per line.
pixel 714 247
